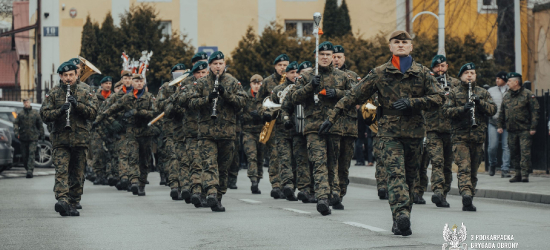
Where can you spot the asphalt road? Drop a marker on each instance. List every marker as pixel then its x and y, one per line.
pixel 113 219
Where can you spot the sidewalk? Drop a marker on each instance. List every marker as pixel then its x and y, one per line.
pixel 536 190
pixel 20 172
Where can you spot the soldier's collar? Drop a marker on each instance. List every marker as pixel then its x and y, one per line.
pixel 325 69
pixel 414 69
pixel 343 68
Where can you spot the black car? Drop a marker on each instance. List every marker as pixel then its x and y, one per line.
pixel 44 152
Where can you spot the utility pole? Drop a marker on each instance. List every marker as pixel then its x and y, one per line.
pixel 517 35
pixel 38 34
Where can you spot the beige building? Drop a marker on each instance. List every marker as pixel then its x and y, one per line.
pixel 541 55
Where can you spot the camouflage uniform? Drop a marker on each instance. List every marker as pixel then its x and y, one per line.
pixel 400 132
pixel 69 145
pixel 101 158
pixel 233 170
pixel 217 136
pixel 28 129
pixel 438 149
pixel 253 149
pixel 519 114
pixel 323 150
pixel 467 141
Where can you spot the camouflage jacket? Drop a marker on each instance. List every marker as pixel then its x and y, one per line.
pixel 288 108
pixel 268 84
pixel 78 135
pixel 100 107
pixel 349 121
pixel 279 128
pixel 228 106
pixel 417 84
pixel 165 92
pixel 253 103
pixel 118 116
pixel 28 125
pixel 519 111
pixel 136 125
pixel 436 120
pixel 189 121
pixel 315 114
pixel 461 121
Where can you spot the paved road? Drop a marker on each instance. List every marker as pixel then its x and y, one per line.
pixel 117 220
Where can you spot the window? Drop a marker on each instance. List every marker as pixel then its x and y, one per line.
pixel 299 28
pixel 166 29
pixel 487 6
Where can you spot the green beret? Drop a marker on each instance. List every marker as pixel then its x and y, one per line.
pixel 106 79
pixel 339 49
pixel 502 75
pixel 66 66
pixel 199 56
pixel 400 35
pixel 281 58
pixel 513 75
pixel 75 61
pixel 292 66
pixel 304 65
pixel 179 66
pixel 326 45
pixel 437 60
pixel 199 66
pixel 467 66
pixel 218 55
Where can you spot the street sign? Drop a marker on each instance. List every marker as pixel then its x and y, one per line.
pixel 208 49
pixel 51 31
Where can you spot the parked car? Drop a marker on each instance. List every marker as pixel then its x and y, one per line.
pixel 6 150
pixel 44 152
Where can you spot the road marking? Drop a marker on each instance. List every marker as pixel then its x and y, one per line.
pixel 251 201
pixel 355 224
pixel 296 211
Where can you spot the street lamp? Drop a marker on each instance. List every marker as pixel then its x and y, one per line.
pixel 441 25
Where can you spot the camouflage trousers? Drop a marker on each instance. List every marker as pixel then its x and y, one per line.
pixel 233 171
pixel 194 161
pixel 123 152
pixel 274 169
pixel 440 150
pixel 164 158
pixel 286 161
pixel 402 157
pixel 304 169
pixel 139 159
pixel 69 163
pixel 180 167
pixel 347 146
pixel 323 152
pixel 171 163
pixel 519 143
pixel 114 171
pixel 216 156
pixel 28 150
pixel 380 171
pixel 467 155
pixel 254 151
pixel 421 181
pixel 100 157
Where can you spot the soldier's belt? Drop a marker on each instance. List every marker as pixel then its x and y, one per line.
pixel 398 112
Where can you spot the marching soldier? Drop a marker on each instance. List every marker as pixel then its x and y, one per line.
pixel 69 115
pixel 468 105
pixel 280 64
pixel 100 154
pixel 252 126
pixel 349 128
pixel 218 97
pixel 138 110
pixel 519 114
pixel 323 147
pixel 28 128
pixel 199 57
pixel 404 87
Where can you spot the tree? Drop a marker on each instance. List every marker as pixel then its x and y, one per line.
pixel 89 47
pixel 504 53
pixel 331 18
pixel 245 61
pixel 109 45
pixel 345 23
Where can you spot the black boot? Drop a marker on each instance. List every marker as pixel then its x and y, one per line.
pixel 415 198
pixel 505 174
pixel 78 206
pixel 141 191
pixel 98 180
pixel 254 188
pixel 275 193
pixel 73 211
pixel 439 200
pixel 311 198
pixel 218 207
pixel 334 199
pixel 516 178
pixel 29 175
pixel 420 200
pixel 289 193
pixel 196 200
pixel 175 194
pixel 212 200
pixel 186 195
pixel 62 208
pixel 134 188
pixel 404 225
pixel 232 183
pixel 281 194
pixel 525 179
pixel 124 184
pixel 382 194
pixel 323 207
pixel 162 180
pixel 492 170
pixel 394 229
pixel 467 203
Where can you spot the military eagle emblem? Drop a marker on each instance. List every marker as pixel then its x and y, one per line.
pixel 454 238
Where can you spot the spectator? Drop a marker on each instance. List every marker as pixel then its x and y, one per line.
pixel 497 93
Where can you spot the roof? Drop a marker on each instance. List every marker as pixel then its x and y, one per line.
pixel 541 7
pixel 8 62
pixel 20 20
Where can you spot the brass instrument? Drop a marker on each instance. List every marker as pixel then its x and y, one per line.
pixel 88 69
pixel 178 80
pixel 216 86
pixel 446 86
pixel 267 103
pixel 473 110
pixel 368 110
pixel 68 119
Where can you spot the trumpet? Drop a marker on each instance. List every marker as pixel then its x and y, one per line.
pixel 473 110
pixel 68 120
pixel 446 87
pixel 216 86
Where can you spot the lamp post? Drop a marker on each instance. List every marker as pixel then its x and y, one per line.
pixel 440 24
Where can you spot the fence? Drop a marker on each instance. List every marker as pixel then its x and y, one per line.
pixel 539 150
pixel 17 94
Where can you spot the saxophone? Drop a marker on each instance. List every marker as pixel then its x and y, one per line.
pixel 267 103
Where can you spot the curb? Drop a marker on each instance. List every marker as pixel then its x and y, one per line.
pixel 23 175
pixel 483 193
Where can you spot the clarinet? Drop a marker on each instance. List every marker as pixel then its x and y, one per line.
pixel 216 86
pixel 68 124
pixel 473 110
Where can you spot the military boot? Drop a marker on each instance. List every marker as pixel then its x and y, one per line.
pixel 124 183
pixel 420 200
pixel 232 183
pixel 254 187
pixel 162 180
pixel 135 188
pixel 212 200
pixel 334 199
pixel 73 211
pixel 275 193
pixel 218 207
pixel 141 191
pixel 78 206
pixel 289 193
pixel 98 180
pixel 196 200
pixel 516 178
pixel 404 224
pixel 323 207
pixel 525 179
pixel 467 203
pixel 382 194
pixel 394 229
pixel 339 206
pixel 439 200
pixel 311 198
pixel 186 195
pixel 62 208
pixel 175 194
pixel 29 175
pixel 415 198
